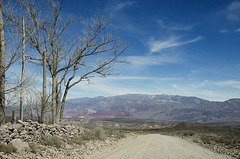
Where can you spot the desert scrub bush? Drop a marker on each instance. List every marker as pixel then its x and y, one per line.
pixel 209 139
pixel 100 133
pixel 228 140
pixel 89 135
pixel 95 134
pixel 7 148
pixel 34 148
pixel 118 134
pixel 78 140
pixel 53 141
pixel 188 133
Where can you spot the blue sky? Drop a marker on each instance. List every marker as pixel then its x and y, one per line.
pixel 187 47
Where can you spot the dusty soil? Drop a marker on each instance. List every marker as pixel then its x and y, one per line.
pixel 155 146
pixel 134 146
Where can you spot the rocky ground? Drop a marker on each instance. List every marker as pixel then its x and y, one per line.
pixel 29 141
pixel 221 149
pixel 32 140
pixel 68 152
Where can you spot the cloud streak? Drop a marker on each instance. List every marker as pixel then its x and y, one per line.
pixel 175 26
pixel 123 5
pixel 237 30
pixel 232 12
pixel 152 60
pixel 206 89
pixel 158 45
pixel 229 83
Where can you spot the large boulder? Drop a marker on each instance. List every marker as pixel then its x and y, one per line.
pixel 19 145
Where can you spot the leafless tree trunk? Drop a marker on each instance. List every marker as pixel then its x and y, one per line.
pixel 23 71
pixel 54 99
pixel 14 117
pixel 2 68
pixel 44 95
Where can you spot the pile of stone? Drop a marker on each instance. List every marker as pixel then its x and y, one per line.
pixel 31 131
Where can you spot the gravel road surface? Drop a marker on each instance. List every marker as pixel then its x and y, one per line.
pixel 155 146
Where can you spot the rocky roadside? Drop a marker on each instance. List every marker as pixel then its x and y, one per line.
pixel 31 131
pixel 26 138
pixel 220 149
pixel 68 152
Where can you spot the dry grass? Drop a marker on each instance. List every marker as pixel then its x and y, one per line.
pixel 118 134
pixel 78 140
pixel 34 148
pixel 90 135
pixel 96 134
pixel 53 141
pixel 7 148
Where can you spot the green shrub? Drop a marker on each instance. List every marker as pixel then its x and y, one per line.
pixel 7 148
pixel 53 141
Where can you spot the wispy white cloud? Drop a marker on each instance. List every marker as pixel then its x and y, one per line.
pixel 195 72
pixel 182 27
pixel 232 11
pixel 234 6
pixel 130 78
pixel 151 60
pixel 110 86
pixel 173 41
pixel 175 26
pixel 162 24
pixel 210 90
pixel 237 30
pixel 229 83
pixel 125 4
pixel 223 30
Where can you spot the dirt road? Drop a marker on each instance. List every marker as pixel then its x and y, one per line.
pixel 155 146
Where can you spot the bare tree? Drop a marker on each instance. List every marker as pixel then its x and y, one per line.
pixel 2 68
pixel 23 70
pixel 8 85
pixel 95 42
pixel 69 59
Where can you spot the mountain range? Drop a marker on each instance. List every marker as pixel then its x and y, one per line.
pixel 155 107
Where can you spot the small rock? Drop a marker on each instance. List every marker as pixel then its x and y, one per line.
pixel 68 147
pixel 20 122
pixel 28 120
pixel 12 135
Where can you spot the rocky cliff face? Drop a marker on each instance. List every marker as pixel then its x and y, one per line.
pixel 158 107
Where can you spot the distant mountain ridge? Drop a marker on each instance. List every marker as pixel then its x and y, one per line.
pixel 158 107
